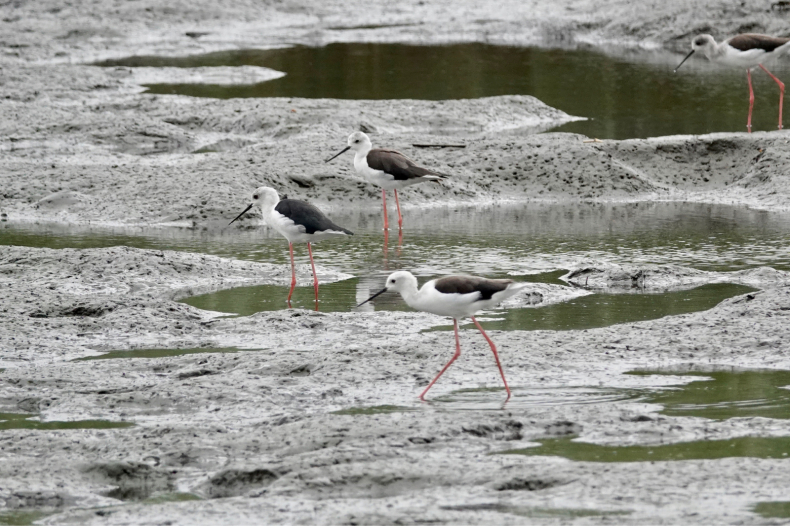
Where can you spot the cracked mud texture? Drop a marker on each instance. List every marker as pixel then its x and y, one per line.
pixel 254 434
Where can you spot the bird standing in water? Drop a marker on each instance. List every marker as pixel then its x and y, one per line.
pixel 748 50
pixel 297 221
pixel 389 169
pixel 454 296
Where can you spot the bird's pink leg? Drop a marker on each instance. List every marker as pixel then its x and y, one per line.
pixel 293 272
pixel 455 356
pixel 384 204
pixel 496 356
pixel 400 218
pixel 781 94
pixel 751 100
pixel 315 276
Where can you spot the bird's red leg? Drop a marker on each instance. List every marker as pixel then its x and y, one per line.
pixel 781 95
pixel 384 204
pixel 751 100
pixel 496 356
pixel 315 276
pixel 293 272
pixel 397 203
pixel 455 356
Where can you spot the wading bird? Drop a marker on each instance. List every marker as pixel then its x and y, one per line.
pixel 389 169
pixel 454 296
pixel 747 50
pixel 297 221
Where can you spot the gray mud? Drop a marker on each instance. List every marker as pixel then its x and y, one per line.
pixel 257 436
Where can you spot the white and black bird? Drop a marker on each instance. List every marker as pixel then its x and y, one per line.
pixel 748 50
pixel 454 296
pixel 389 169
pixel 297 221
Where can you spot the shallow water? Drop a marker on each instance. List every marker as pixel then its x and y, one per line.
pixel 632 95
pixel 529 242
pixel 756 447
pixel 723 394
pixel 490 240
pixel 22 421
pixel 715 393
pixel 777 509
pixel 160 353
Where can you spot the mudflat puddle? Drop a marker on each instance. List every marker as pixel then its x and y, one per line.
pixel 714 393
pixel 757 447
pixel 528 242
pixel 634 94
pixel 160 353
pixel 770 510
pixel 24 421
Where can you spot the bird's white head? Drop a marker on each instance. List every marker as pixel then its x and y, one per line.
pixel 401 281
pixel 359 142
pixel 704 43
pixel 264 197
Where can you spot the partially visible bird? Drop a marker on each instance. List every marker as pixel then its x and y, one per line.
pixel 389 169
pixel 747 50
pixel 297 221
pixel 454 296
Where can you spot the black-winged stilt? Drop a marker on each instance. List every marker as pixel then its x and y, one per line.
pixel 747 50
pixel 297 221
pixel 389 169
pixel 454 296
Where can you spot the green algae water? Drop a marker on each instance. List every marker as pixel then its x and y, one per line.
pixel 755 447
pixel 634 94
pixel 160 353
pixel 723 394
pixel 23 421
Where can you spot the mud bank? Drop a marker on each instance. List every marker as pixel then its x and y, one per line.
pixel 258 425
pixel 49 31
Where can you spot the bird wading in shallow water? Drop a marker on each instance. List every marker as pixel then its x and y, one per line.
pixel 389 169
pixel 297 221
pixel 454 296
pixel 748 50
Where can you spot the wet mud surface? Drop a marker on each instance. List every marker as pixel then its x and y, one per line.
pixel 296 416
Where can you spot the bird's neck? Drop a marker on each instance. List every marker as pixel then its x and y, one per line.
pixel 362 153
pixel 714 51
pixel 410 295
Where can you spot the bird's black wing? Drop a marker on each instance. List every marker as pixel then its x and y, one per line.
pixel 397 165
pixel 469 284
pixel 748 41
pixel 311 218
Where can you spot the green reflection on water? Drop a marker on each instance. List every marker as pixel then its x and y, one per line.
pixel 21 518
pixel 773 510
pixel 602 310
pixel 633 96
pixel 757 447
pixel 374 410
pixel 720 395
pixel 528 237
pixel 160 353
pixel 20 421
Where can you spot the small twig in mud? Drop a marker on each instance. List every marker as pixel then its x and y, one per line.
pixel 592 140
pixel 439 145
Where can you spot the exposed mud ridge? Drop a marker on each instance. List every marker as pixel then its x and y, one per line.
pixel 656 278
pixel 133 481
pixel 237 482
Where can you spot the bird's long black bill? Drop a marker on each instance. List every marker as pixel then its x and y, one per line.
pixel 379 293
pixel 344 150
pixel 682 61
pixel 241 214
